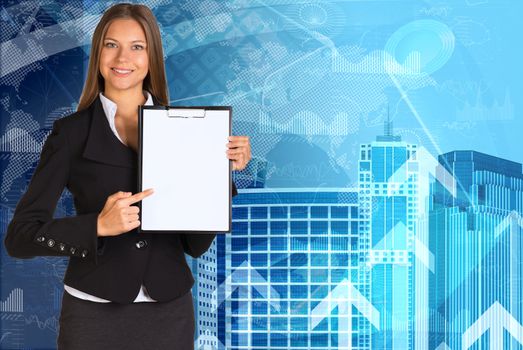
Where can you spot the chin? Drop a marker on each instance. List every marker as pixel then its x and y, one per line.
pixel 122 87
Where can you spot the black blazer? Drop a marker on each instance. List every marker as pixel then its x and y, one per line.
pixel 83 154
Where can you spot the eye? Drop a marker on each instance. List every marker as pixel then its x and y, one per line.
pixel 110 44
pixel 138 47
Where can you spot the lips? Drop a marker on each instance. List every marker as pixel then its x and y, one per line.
pixel 121 71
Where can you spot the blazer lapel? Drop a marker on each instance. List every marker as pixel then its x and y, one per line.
pixel 102 145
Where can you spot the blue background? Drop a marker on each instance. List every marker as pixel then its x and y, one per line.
pixel 309 81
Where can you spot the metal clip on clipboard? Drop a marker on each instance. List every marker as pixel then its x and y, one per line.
pixel 186 113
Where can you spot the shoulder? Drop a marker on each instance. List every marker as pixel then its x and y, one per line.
pixel 75 127
pixel 75 120
pixel 79 121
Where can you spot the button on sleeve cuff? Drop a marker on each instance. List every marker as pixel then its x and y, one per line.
pixel 71 236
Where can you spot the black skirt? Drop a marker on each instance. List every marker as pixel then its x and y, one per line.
pixel 89 325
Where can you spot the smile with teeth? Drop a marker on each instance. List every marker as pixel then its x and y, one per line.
pixel 121 71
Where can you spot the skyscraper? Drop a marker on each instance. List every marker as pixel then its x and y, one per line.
pixel 388 197
pixel 204 270
pixel 477 239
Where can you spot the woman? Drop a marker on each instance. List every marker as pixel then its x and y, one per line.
pixel 123 290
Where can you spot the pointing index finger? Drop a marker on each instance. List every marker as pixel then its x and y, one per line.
pixel 138 196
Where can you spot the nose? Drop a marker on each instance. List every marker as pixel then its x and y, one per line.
pixel 122 55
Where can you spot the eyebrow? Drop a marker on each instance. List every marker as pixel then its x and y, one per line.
pixel 134 41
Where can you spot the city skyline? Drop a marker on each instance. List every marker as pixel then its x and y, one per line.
pixel 312 84
pixel 367 246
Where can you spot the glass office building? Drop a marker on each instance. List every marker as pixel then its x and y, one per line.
pixel 204 270
pixel 477 239
pixel 388 190
pixel 289 248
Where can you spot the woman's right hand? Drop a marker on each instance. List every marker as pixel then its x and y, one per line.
pixel 118 216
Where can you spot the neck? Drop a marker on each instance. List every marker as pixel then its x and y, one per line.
pixel 127 101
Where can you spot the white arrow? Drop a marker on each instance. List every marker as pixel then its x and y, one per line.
pixel 424 165
pixel 443 346
pixel 424 255
pixel 428 166
pixel 397 234
pixel 395 239
pixel 344 296
pixel 495 320
pixel 511 220
pixel 246 266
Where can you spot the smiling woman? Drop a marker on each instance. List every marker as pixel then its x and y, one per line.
pixel 113 44
pixel 123 290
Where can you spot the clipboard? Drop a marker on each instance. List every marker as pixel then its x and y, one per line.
pixel 182 156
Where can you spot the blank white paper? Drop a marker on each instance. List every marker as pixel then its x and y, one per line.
pixel 184 161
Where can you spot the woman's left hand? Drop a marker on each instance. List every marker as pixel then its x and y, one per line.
pixel 239 151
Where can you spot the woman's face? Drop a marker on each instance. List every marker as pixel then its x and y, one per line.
pixel 124 62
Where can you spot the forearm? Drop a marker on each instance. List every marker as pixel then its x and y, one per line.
pixel 70 236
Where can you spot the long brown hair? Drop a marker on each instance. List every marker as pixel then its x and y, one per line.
pixel 155 82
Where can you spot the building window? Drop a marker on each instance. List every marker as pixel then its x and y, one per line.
pixel 279 212
pixel 259 213
pixel 258 243
pixel 258 259
pixel 259 227
pixel 319 259
pixel 319 227
pixel 299 212
pixel 238 259
pixel 239 213
pixel 319 212
pixel 259 339
pixel 299 243
pixel 339 212
pixel 299 323
pixel 299 291
pixel 299 227
pixel 240 228
pixel 278 339
pixel 299 259
pixel 278 243
pixel 279 260
pixel 278 323
pixel 319 275
pixel 239 244
pixel 279 276
pixel 340 227
pixel 279 227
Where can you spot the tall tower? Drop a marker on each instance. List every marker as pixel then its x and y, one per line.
pixel 477 239
pixel 205 273
pixel 388 190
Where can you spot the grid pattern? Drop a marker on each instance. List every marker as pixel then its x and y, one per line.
pixel 299 246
